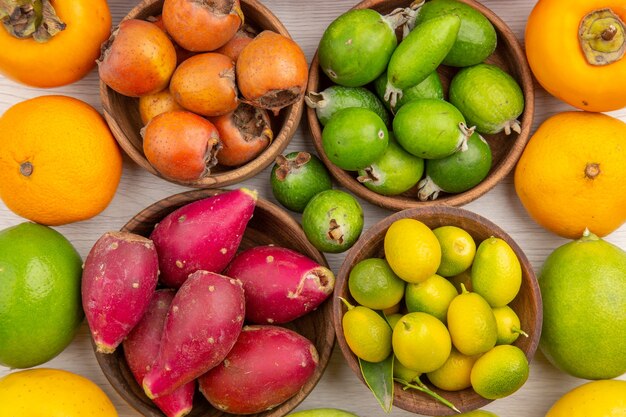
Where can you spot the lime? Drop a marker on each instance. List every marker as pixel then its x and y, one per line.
pixel 583 287
pixel 40 300
pixel 500 372
pixel 477 413
pixel 402 372
pixel 373 284
pixel 432 296
pixel 457 250
pixel 472 324
pixel 421 342
pixel 496 272
pixel 393 319
pixel 454 374
pixel 464 278
pixel 509 327
pixel 367 334
pixel 412 250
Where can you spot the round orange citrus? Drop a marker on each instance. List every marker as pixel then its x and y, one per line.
pixel 59 162
pixel 571 174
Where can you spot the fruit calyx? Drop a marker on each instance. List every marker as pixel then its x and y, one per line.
pixel 427 189
pixel 588 236
pixel 335 231
pixel 512 126
pixel 592 170
pixel 602 37
pixel 286 166
pixel 26 168
pixel 370 176
pixel 315 100
pixel 35 19
pixel 253 123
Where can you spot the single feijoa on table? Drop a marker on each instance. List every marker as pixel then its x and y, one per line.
pixel 354 138
pixel 431 87
pixel 335 98
pixel 488 97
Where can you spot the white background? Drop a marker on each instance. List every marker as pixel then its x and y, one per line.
pixel 339 387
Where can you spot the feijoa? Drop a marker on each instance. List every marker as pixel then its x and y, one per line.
pixel 431 87
pixel 296 178
pixel 430 128
pixel 458 172
pixel 337 97
pixel 476 39
pixel 355 48
pixel 488 97
pixel 333 221
pixel 395 172
pixel 354 138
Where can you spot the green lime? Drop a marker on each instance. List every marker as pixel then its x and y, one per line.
pixel 297 177
pixel 454 374
pixel 373 284
pixel 432 296
pixel 471 323
pixel 457 250
pixel 496 272
pixel 367 334
pixel 421 342
pixel 509 327
pixel 40 300
pixel 412 250
pixel 500 372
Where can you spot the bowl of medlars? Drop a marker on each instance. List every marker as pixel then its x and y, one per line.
pixel 414 104
pixel 440 306
pixel 202 94
pixel 210 303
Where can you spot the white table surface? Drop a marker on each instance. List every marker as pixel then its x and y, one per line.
pixel 339 387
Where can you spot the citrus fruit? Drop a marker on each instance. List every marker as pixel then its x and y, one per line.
pixel 509 327
pixel 582 187
pixel 421 342
pixel 59 163
pixel 471 323
pixel 393 319
pixel 373 284
pixel 496 272
pixel 402 372
pixel 367 334
pixel 477 413
pixel 454 374
pixel 500 372
pixel 593 399
pixel 432 296
pixel 52 392
pixel 412 250
pixel 457 250
pixel 583 288
pixel 40 301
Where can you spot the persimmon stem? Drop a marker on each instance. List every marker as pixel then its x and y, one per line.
pixel 602 37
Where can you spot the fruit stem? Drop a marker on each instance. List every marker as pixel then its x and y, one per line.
pixel 602 37
pixel 463 289
pixel 35 19
pixel 519 331
pixel 588 236
pixel 26 169
pixel 423 388
pixel 315 100
pixel 347 303
pixel 592 170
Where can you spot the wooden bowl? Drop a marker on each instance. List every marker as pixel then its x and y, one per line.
pixel 506 150
pixel 527 304
pixel 122 113
pixel 269 225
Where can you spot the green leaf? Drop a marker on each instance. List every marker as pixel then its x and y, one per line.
pixel 379 379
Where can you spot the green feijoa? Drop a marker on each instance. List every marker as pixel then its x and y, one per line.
pixel 458 172
pixel 337 97
pixel 395 172
pixel 430 128
pixel 488 97
pixel 354 138
pixel 355 48
pixel 431 87
pixel 296 178
pixel 333 221
pixel 476 39
pixel 419 54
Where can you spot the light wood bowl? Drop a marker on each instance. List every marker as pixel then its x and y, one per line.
pixel 269 225
pixel 506 150
pixel 122 113
pixel 527 304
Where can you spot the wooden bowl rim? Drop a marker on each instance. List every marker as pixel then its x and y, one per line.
pixel 505 166
pixel 292 116
pixel 169 204
pixel 430 406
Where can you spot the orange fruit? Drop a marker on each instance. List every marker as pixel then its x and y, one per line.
pixel 59 162
pixel 571 174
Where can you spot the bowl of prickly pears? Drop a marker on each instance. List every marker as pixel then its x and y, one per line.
pixel 210 303
pixel 438 311
pixel 444 96
pixel 180 107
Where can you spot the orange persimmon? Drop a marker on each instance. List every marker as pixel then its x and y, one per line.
pixel 70 50
pixel 576 50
